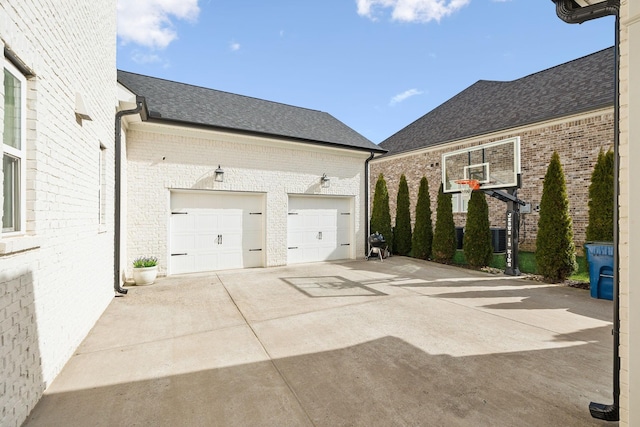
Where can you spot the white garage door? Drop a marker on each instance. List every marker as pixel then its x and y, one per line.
pixel 318 229
pixel 215 231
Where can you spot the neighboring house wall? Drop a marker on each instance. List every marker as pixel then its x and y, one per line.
pixel 274 167
pixel 629 244
pixel 56 274
pixel 577 139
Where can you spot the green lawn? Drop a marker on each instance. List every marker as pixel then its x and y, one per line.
pixel 527 264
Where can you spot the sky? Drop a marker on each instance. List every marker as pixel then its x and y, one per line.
pixel 375 65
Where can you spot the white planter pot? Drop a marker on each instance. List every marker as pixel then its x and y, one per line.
pixel 145 275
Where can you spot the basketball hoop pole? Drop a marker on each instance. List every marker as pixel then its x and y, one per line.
pixel 513 231
pixel 512 219
pixel 512 225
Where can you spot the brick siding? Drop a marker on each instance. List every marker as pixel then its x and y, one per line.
pixel 577 140
pixel 251 164
pixel 629 206
pixel 56 280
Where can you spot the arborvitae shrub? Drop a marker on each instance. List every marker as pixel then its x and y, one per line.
pixel 601 201
pixel 444 236
pixel 380 213
pixel 477 233
pixel 423 228
pixel 555 250
pixel 402 232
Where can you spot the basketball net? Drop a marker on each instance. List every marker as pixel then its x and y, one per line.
pixel 466 187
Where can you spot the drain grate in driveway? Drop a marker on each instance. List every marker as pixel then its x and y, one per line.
pixel 330 286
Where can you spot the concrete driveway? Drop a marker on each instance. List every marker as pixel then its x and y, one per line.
pixel 401 342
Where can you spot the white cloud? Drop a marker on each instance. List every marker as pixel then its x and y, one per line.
pixel 150 23
pixel 404 96
pixel 411 10
pixel 234 46
pixel 145 58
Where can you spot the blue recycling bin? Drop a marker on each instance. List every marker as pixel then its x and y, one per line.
pixel 600 259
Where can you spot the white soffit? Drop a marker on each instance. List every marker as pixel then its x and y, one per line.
pixel 585 3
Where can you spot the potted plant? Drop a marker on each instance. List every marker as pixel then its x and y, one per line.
pixel 145 270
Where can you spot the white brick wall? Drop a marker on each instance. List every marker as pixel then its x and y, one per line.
pixel 277 168
pixel 56 280
pixel 629 245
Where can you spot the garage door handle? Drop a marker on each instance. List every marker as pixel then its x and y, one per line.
pixel 345 244
pixel 255 250
pixel 179 254
pixel 219 239
pixel 179 213
pixel 319 235
pixel 292 247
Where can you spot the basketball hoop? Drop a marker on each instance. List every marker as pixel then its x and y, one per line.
pixel 467 186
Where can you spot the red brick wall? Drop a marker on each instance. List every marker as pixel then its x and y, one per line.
pixel 577 140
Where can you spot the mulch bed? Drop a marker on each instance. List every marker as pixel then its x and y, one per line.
pixel 537 278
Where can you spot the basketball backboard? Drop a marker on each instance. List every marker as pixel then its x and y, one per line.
pixel 494 165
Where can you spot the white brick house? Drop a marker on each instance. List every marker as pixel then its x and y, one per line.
pixel 59 261
pixel 56 244
pixel 271 207
pixel 629 211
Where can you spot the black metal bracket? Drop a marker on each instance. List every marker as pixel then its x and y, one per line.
pixel 504 196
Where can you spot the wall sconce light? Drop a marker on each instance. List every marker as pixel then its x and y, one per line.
pixel 219 175
pixel 81 110
pixel 325 181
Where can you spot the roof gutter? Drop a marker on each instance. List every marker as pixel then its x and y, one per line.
pixel 366 204
pixel 570 12
pixel 154 118
pixel 118 193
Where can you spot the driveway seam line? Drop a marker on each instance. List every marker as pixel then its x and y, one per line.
pixel 275 365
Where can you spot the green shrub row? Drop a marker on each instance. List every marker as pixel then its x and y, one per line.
pixel 555 256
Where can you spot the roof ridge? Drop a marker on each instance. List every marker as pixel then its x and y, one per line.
pixel 487 105
pixel 542 71
pixel 564 64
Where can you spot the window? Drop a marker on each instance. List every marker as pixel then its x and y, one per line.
pixel 460 204
pixel 102 186
pixel 13 150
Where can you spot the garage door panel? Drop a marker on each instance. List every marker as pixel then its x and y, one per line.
pixel 328 218
pixel 318 229
pixel 232 240
pixel 206 220
pixel 181 243
pixel 252 257
pixel 252 227
pixel 182 264
pixel 232 259
pixel 217 231
pixel 296 238
pixel 232 219
pixel 181 222
pixel 329 237
pixel 206 261
pixel 205 242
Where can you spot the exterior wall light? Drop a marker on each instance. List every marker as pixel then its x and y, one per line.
pixel 325 181
pixel 219 174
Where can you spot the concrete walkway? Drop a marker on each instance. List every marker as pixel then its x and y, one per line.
pixel 362 343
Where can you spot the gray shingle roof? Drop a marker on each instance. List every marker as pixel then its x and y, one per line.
pixel 487 106
pixel 194 105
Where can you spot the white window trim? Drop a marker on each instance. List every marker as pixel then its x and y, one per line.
pixel 102 189
pixel 22 152
pixel 459 205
